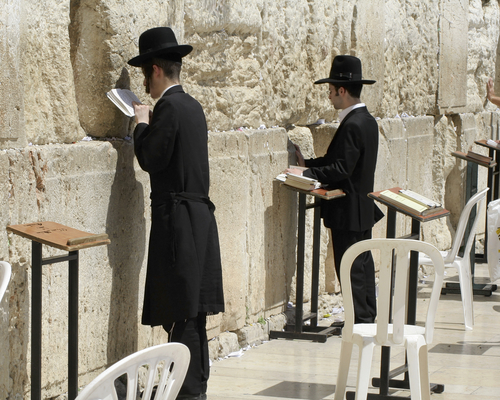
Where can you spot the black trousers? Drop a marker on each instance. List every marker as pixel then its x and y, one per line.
pixel 192 332
pixel 362 274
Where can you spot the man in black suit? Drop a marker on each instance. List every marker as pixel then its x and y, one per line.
pixel 184 275
pixel 349 164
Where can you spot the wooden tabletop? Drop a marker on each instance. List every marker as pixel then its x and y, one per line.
pixel 428 217
pixel 463 156
pixel 59 236
pixel 321 193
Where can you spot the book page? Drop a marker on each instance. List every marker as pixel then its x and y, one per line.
pixel 123 99
pixel 397 199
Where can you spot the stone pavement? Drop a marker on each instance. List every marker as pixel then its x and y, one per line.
pixel 466 362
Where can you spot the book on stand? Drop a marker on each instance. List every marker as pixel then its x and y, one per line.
pixel 309 185
pixel 301 182
pixel 493 143
pixel 411 202
pixel 123 98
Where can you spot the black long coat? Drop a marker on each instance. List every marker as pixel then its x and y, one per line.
pixel 184 274
pixel 349 164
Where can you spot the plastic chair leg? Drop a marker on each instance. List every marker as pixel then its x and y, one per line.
pixel 465 279
pixel 417 366
pixel 425 382
pixel 345 362
pixel 364 369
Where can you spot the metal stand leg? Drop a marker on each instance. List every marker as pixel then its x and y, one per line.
pixel 299 331
pixel 36 321
pixel 73 326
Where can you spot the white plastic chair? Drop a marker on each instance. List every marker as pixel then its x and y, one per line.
pixel 168 362
pixel 383 332
pixel 462 264
pixel 5 273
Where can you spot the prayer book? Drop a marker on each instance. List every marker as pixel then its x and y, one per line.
pixel 418 204
pixel 493 143
pixel 123 98
pixel 301 182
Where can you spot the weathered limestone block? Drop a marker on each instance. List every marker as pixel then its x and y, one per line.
pixel 229 186
pixel 104 36
pixel 12 94
pixel 253 214
pixel 228 343
pixel 251 62
pixel 411 47
pixel 420 134
pixel 391 170
pixel 482 52
pixel 452 94
pixel 301 136
pixel 271 228
pixel 50 109
pixel 367 43
pixel 93 187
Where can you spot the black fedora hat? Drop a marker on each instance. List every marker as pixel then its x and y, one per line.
pixel 159 42
pixel 346 69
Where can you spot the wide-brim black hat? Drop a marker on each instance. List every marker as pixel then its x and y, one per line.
pixel 346 69
pixel 159 42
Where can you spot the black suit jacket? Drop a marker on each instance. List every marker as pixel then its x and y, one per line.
pixel 184 274
pixel 349 164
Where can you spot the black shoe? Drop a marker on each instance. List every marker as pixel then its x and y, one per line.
pixel 337 324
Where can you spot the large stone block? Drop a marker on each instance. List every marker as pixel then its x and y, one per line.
pixel 93 187
pixel 50 108
pixel 12 98
pixel 453 31
pixel 411 45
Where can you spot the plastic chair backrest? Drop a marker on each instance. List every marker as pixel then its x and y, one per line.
pixel 462 225
pixel 399 251
pixel 166 367
pixel 5 273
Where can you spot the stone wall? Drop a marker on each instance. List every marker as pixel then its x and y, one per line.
pixel 253 66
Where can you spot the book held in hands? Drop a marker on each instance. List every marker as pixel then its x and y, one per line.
pixel 123 98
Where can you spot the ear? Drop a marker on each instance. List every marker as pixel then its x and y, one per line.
pixel 157 70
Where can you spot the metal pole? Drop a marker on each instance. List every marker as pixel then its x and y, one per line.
pixel 36 320
pixel 73 326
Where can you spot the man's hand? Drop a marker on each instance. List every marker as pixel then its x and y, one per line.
pixel 490 92
pixel 295 171
pixel 142 113
pixel 300 157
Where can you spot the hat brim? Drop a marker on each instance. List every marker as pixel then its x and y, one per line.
pixel 339 81
pixel 182 50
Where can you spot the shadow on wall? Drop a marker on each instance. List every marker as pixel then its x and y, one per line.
pixel 280 245
pixel 126 228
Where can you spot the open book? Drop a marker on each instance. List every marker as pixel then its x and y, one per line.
pixel 123 98
pixel 411 202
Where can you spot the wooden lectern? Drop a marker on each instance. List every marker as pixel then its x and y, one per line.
pixel 71 240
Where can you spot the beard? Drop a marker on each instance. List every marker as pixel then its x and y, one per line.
pixel 147 87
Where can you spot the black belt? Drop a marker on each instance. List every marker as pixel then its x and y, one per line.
pixel 182 196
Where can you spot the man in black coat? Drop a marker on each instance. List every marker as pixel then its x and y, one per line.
pixel 349 164
pixel 184 275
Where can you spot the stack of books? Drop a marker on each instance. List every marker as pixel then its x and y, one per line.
pixel 301 182
pixel 411 202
